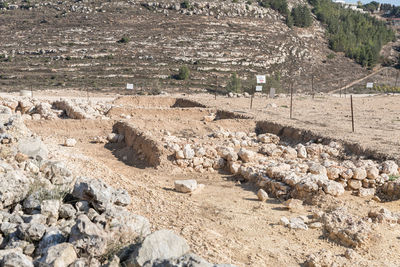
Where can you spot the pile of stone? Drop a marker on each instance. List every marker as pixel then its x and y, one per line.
pixel 282 170
pixel 49 217
pixel 217 9
pixel 32 108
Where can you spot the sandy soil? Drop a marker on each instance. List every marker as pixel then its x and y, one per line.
pixel 225 222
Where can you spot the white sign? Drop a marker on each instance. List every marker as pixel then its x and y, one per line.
pixel 261 79
pixel 271 92
pixel 129 86
pixel 370 85
pixel 258 88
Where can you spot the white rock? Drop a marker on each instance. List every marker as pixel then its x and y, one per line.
pixel 185 186
pixel 70 142
pixel 390 167
pixel 366 192
pixel 354 184
pixel 359 173
pixel 188 152
pixel 179 154
pixel 262 195
pixel 246 155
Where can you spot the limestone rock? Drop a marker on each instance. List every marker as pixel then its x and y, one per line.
pixel 59 255
pixel 188 152
pixel 185 186
pixel 246 155
pixel 88 237
pixel 70 142
pixel 160 245
pixel 33 147
pixel 262 195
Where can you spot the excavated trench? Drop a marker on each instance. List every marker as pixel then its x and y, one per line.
pixel 157 134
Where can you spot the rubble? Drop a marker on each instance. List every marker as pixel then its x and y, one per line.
pixel 50 217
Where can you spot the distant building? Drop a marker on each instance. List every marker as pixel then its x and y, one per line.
pixel 339 2
pixel 349 6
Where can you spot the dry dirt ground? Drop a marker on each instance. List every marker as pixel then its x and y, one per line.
pixel 225 222
pixel 377 117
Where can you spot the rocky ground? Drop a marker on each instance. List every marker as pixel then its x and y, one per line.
pixel 230 191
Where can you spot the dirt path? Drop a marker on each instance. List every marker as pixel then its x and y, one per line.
pixel 357 81
pixel 223 223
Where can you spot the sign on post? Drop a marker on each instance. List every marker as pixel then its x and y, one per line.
pixel 271 92
pixel 129 86
pixel 370 85
pixel 261 79
pixel 258 88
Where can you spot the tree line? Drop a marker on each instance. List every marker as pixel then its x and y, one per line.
pixel 358 35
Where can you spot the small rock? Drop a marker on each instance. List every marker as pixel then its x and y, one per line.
pixel 262 195
pixel 70 142
pixel 185 186
pixel 293 204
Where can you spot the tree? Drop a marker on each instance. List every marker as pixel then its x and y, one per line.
pixel 301 16
pixel 183 73
pixel 234 85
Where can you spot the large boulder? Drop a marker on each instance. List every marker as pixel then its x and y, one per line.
pixel 14 187
pixel 13 258
pixel 246 155
pixel 126 226
pixel 88 237
pixel 160 245
pixel 33 147
pixel 185 186
pixel 60 255
pixel 99 194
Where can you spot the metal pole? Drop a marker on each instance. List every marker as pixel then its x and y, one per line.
pixel 216 81
pixel 352 113
pixel 312 86
pixel 397 78
pixel 251 101
pixel 291 100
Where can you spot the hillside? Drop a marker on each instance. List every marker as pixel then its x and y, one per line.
pixel 60 44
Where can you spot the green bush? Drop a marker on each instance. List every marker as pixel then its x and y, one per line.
pixel 3 5
pixel 301 16
pixel 279 5
pixel 123 40
pixel 331 56
pixel 234 85
pixel 289 21
pixel 185 4
pixel 183 73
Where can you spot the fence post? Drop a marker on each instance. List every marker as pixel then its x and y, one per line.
pixel 291 100
pixel 352 113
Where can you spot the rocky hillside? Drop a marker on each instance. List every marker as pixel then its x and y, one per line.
pixel 74 44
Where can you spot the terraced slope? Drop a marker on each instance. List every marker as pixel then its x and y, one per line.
pixel 74 45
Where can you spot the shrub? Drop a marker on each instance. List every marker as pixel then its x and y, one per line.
pixel 185 4
pixel 301 16
pixel 279 5
pixel 3 5
pixel 331 56
pixel 234 85
pixel 183 73
pixel 289 21
pixel 123 40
